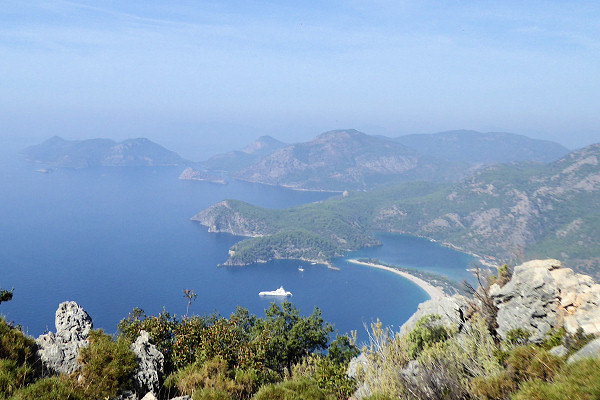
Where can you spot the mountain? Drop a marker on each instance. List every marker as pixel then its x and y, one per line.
pixel 236 160
pixel 505 211
pixel 59 152
pixel 484 148
pixel 347 159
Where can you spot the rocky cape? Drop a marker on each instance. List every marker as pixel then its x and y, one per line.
pixel 141 152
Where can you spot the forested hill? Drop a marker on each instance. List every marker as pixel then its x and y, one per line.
pixel 504 211
pixel 58 152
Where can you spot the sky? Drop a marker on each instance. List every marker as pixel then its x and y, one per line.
pixel 203 77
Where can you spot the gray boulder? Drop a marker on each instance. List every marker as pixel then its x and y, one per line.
pixel 150 365
pixel 559 351
pixel 592 349
pixel 59 351
pixel 542 295
pixel 452 310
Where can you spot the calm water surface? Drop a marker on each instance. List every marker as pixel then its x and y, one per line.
pixel 117 238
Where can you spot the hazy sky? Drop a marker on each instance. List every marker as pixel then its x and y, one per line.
pixel 207 76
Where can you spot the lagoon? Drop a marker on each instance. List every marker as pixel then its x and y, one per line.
pixel 117 238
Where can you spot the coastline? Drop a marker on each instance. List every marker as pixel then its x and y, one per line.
pixel 432 291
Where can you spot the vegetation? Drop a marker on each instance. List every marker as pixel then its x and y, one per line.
pixel 5 295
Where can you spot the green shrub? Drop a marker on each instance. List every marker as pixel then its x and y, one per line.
pixel 527 363
pixel 330 376
pixel 301 389
pixel 427 331
pixel 343 349
pixel 13 377
pixel 48 389
pixel 497 387
pixel 579 380
pixel 14 345
pixel 106 366
pixel 211 394
pixel 517 337
pixel 215 378
pixel 554 338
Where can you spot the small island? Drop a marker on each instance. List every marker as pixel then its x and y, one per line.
pixel 191 174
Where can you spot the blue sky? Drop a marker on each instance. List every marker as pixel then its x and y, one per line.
pixel 204 76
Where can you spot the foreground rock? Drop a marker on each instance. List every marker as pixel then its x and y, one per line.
pixel 590 350
pixel 543 295
pixel 452 311
pixel 59 351
pixel 150 365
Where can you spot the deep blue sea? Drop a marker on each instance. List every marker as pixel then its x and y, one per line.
pixel 117 238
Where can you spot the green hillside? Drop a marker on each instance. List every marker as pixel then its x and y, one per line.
pixel 507 211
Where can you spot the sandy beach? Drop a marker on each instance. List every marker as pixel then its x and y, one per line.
pixel 431 290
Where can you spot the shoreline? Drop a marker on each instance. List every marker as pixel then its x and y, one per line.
pixel 432 291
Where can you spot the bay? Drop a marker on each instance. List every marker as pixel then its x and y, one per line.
pixel 117 238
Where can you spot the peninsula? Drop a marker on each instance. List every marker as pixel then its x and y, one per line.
pixel 432 291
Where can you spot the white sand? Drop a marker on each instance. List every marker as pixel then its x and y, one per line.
pixel 431 290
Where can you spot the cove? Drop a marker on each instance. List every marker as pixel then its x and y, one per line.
pixel 113 239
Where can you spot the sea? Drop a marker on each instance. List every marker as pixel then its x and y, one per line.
pixel 113 239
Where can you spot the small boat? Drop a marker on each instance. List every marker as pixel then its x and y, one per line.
pixel 279 292
pixel 300 268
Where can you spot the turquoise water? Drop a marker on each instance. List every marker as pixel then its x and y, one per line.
pixel 117 238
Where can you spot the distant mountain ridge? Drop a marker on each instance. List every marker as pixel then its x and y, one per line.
pixel 347 159
pixel 484 148
pixel 239 159
pixel 58 152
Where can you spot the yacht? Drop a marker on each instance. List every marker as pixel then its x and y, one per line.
pixel 279 292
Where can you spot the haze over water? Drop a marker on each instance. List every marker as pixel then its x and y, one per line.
pixel 117 238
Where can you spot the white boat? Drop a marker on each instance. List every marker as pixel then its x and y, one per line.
pixel 279 292
pixel 300 268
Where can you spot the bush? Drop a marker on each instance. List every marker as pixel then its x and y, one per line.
pixel 427 331
pixel 14 345
pixel 330 376
pixel 497 387
pixel 527 363
pixel 579 380
pixel 554 338
pixel 13 377
pixel 106 366
pixel 517 337
pixel 48 389
pixel 215 378
pixel 301 389
pixel 385 357
pixel 342 349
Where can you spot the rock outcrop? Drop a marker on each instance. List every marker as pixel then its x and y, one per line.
pixel 150 365
pixel 59 351
pixel 452 311
pixel 543 295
